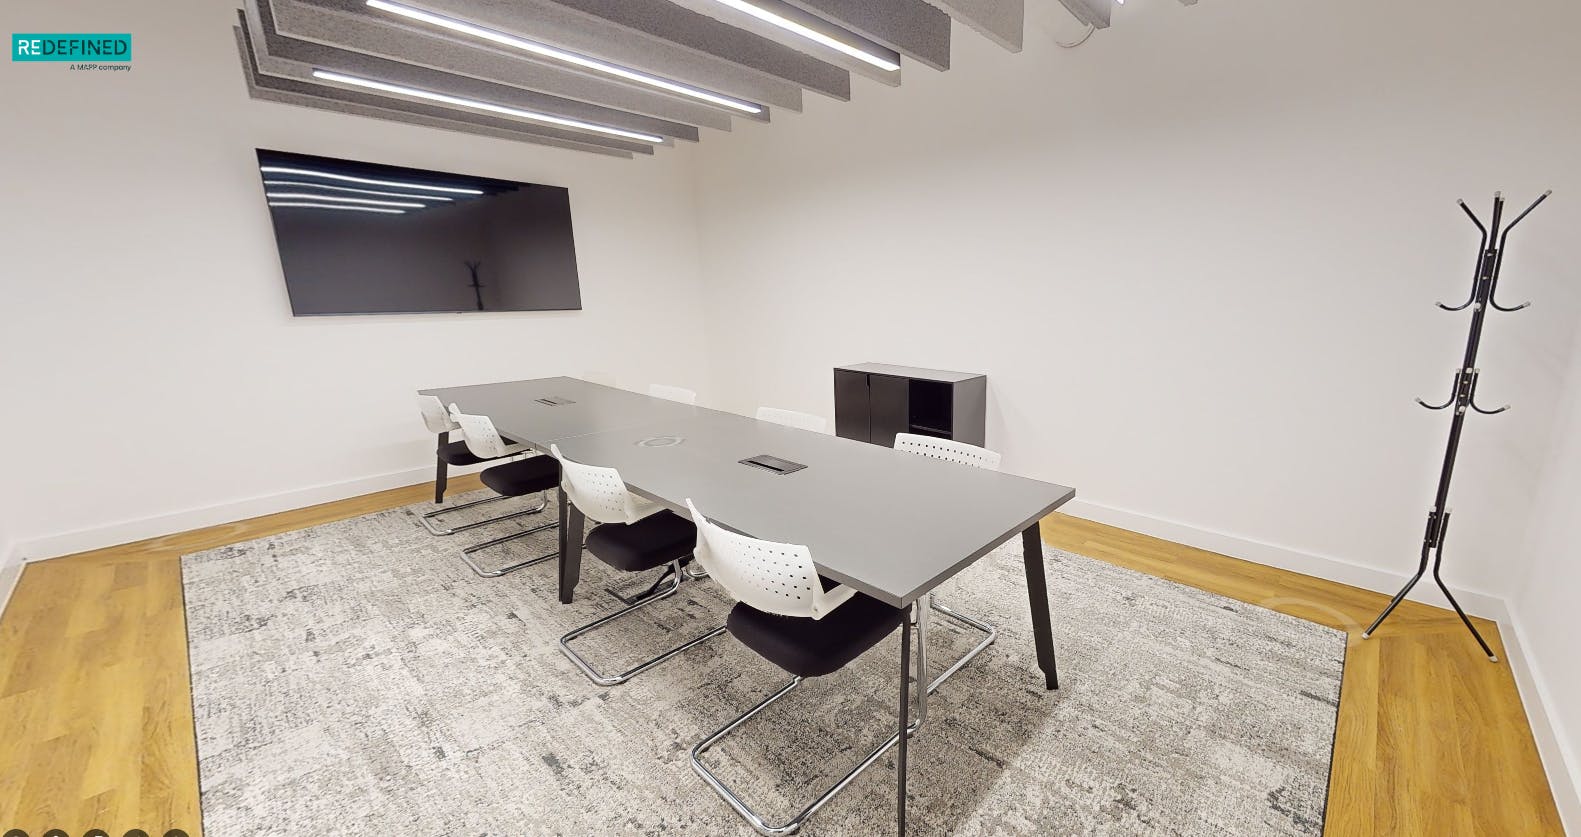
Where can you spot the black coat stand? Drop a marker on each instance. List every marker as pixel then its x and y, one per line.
pixel 1462 397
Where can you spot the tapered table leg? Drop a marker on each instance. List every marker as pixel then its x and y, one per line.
pixel 1038 596
pixel 441 470
pixel 572 523
pixel 905 711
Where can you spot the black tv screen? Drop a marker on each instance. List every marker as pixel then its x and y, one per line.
pixel 363 238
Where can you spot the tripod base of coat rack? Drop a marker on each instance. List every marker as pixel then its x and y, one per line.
pixel 1463 398
pixel 1437 525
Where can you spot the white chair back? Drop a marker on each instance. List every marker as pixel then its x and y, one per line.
pixel 772 577
pixel 792 418
pixel 483 440
pixel 948 450
pixel 434 415
pixel 600 492
pixel 681 394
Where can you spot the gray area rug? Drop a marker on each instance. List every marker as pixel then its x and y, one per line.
pixel 357 678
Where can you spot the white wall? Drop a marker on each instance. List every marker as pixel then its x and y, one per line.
pixel 1196 258
pixel 1544 606
pixel 145 321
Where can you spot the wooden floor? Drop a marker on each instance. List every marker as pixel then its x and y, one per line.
pixel 96 713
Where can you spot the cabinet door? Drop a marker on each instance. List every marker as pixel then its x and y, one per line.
pixel 852 419
pixel 891 408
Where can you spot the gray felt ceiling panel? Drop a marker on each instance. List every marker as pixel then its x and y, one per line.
pixel 741 20
pixel 292 91
pixel 671 22
pixel 1000 21
pixel 703 44
pixel 306 56
pixel 558 26
pixel 439 50
pixel 911 27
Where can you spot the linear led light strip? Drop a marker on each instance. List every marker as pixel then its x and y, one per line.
pixel 302 184
pixel 306 205
pixel 337 199
pixel 809 33
pixel 346 178
pixel 547 51
pixel 490 107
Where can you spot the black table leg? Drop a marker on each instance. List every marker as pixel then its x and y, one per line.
pixel 905 711
pixel 572 523
pixel 441 471
pixel 1038 595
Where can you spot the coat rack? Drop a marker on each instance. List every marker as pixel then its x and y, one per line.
pixel 1462 396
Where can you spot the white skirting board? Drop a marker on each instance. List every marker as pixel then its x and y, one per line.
pixel 1475 602
pixel 1562 764
pixel 82 540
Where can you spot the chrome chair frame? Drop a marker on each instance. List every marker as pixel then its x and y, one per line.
pixel 677 575
pixel 468 552
pixel 919 616
pixel 990 634
pixel 429 523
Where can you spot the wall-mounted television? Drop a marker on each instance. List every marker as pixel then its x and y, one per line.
pixel 364 238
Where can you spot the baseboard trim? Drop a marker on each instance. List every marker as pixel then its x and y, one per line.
pixel 1326 567
pixel 83 540
pixel 1560 762
pixel 10 573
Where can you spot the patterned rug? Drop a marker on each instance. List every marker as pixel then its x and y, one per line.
pixel 356 677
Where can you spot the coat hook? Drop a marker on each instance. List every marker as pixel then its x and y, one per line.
pixel 1454 390
pixel 1504 239
pixel 1476 275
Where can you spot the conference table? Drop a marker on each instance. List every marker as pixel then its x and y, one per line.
pixel 892 525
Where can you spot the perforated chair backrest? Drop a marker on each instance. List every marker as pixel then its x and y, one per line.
pixel 599 492
pixel 482 439
pixel 793 418
pixel 772 577
pixel 681 394
pixel 948 450
pixel 434 415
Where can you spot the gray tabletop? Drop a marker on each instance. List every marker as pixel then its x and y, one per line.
pixel 517 412
pixel 892 525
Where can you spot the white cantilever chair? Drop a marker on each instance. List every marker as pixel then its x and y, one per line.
pixel 681 394
pixel 960 453
pixel 806 625
pixel 449 454
pixel 634 535
pixel 793 418
pixel 948 450
pixel 516 478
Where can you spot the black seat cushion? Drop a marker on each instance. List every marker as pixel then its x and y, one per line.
pixel 808 647
pixel 458 454
pixel 651 542
pixel 524 476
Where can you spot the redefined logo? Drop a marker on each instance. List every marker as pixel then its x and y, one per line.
pixel 72 47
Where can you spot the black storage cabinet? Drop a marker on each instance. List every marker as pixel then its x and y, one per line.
pixel 874 401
